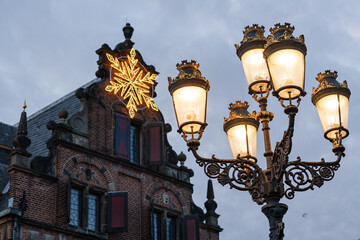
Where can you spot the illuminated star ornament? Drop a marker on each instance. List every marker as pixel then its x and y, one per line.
pixel 131 83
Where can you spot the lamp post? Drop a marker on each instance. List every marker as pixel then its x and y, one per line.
pixel 277 64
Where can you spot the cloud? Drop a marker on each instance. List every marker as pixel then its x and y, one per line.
pixel 47 50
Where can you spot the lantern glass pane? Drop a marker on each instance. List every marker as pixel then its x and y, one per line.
pixel 255 67
pixel 328 109
pixel 237 140
pixel 190 105
pixel 287 68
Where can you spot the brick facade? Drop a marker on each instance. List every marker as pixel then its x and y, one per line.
pixel 82 156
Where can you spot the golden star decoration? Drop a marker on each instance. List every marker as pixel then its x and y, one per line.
pixel 130 81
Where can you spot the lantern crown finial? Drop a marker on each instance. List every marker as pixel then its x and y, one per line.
pixel 184 65
pixel 253 33
pixel 254 27
pixel 329 84
pixel 282 27
pixel 327 74
pixel 239 110
pixel 238 104
pixel 188 70
pixel 284 32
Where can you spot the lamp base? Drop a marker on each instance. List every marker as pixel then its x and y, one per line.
pixel 275 212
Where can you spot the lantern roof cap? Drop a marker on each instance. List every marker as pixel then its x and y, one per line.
pixel 240 115
pixel 239 110
pixel 188 66
pixel 188 74
pixel 328 84
pixel 329 77
pixel 279 29
pixel 253 38
pixel 253 33
pixel 283 34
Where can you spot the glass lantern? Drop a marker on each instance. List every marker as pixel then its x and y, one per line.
pixel 241 128
pixel 189 93
pixel 332 102
pixel 251 54
pixel 285 57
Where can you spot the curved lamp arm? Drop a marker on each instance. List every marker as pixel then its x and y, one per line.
pixel 301 176
pixel 240 173
pixel 282 150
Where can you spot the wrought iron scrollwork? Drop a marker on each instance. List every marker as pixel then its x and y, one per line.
pixel 244 174
pixel 240 173
pixel 302 176
pixel 283 149
pixel 299 175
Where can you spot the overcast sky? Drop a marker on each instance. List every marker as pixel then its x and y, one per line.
pixel 47 49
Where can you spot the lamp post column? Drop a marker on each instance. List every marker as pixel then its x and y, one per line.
pixel 265 117
pixel 275 211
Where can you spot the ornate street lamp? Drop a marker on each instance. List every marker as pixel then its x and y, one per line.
pixel 285 56
pixel 251 54
pixel 332 102
pixel 241 128
pixel 189 92
pixel 278 64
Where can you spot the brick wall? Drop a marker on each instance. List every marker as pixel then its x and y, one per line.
pixel 96 168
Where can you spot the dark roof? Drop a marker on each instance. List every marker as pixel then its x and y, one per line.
pixel 4 201
pixel 7 134
pixel 37 131
pixel 4 180
pixel 5 157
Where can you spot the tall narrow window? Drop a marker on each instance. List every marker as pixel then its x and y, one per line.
pixel 93 212
pixel 170 228
pixel 75 207
pixel 157 226
pixel 134 144
pixel 122 136
pixel 84 209
pixel 163 226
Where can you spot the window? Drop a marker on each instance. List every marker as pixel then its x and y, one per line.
pixel 75 208
pixel 157 226
pixel 126 139
pixel 164 226
pixel 84 214
pixel 91 208
pixel 93 213
pixel 134 144
pixel 170 228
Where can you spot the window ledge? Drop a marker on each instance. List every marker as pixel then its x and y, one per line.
pixel 96 235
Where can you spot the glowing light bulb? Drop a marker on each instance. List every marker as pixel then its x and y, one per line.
pixel 190 115
pixel 190 104
pixel 254 64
